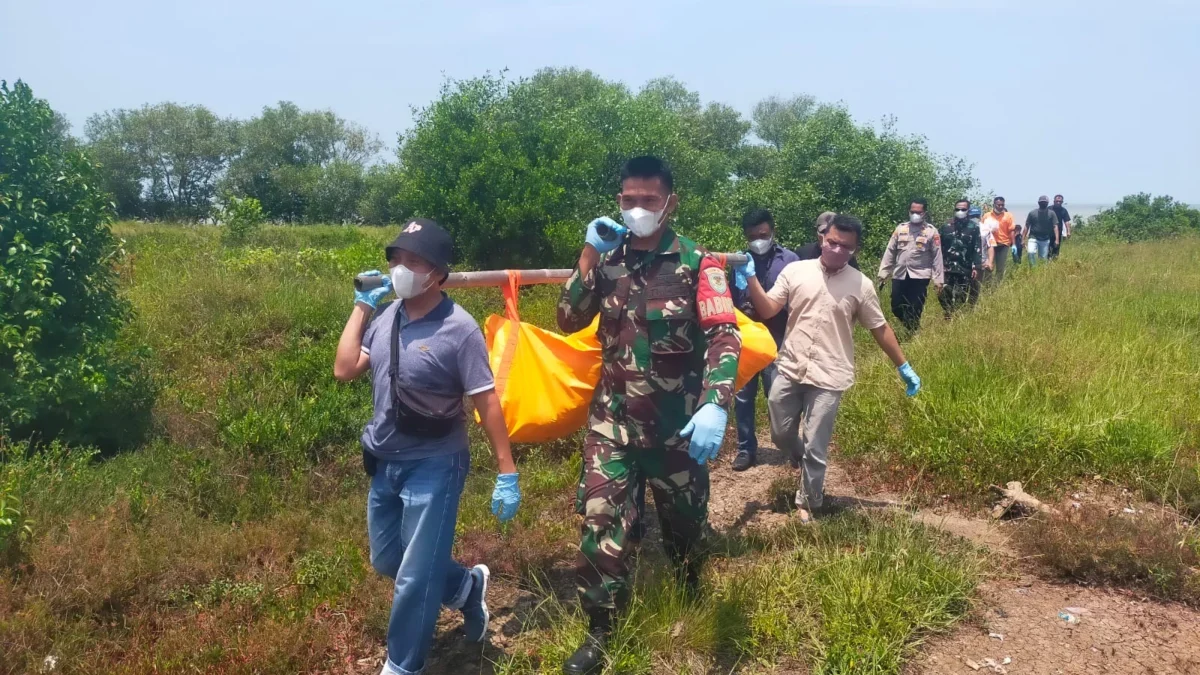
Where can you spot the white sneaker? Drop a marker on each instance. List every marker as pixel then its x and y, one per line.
pixel 475 610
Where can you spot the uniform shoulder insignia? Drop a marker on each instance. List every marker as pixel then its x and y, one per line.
pixel 713 302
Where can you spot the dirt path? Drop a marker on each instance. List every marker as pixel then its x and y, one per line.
pixel 1112 632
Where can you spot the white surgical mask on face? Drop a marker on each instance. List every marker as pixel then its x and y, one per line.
pixel 642 222
pixel 960 214
pixel 915 218
pixel 407 283
pixel 761 246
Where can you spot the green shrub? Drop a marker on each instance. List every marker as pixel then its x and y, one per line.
pixel 63 373
pixel 1140 217
pixel 242 217
pixel 293 412
pixel 15 529
pixel 329 574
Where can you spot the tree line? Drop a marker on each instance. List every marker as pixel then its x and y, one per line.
pixel 514 167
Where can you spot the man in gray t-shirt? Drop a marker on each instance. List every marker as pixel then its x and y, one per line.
pixel 442 356
pixel 425 354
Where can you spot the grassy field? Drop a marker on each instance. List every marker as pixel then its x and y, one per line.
pixel 1090 367
pixel 234 541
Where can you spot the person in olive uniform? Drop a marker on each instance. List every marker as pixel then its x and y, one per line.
pixel 913 258
pixel 961 257
pixel 669 341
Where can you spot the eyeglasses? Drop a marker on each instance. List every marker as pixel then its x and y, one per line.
pixel 838 248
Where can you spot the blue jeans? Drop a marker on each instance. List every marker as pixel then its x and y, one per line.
pixel 743 410
pixel 1042 252
pixel 411 512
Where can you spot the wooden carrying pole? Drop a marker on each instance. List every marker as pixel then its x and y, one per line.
pixel 500 277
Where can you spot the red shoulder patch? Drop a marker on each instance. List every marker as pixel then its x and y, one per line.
pixel 713 302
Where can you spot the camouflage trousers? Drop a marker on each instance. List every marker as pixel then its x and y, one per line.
pixel 955 293
pixel 608 500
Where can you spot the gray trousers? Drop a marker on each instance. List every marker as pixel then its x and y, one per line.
pixel 802 418
pixel 1000 262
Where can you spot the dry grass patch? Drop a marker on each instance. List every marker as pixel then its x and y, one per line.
pixel 1151 551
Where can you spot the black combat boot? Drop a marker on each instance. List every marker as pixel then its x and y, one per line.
pixel 589 658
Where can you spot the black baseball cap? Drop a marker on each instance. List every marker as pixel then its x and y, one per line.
pixel 427 239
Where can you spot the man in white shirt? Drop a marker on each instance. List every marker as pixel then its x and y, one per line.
pixel 824 298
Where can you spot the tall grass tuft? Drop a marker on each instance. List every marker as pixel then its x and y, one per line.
pixel 854 594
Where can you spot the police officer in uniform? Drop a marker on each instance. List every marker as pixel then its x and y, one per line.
pixel 913 258
pixel 670 345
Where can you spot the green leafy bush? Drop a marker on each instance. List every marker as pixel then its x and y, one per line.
pixel 242 217
pixel 516 169
pixel 15 529
pixel 827 162
pixel 63 372
pixel 1139 217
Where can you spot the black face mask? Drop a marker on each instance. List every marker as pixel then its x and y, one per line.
pixel 1043 204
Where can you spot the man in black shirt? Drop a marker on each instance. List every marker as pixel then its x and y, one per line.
pixel 813 251
pixel 1041 231
pixel 1064 225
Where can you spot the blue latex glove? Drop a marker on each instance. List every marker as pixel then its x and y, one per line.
pixel 605 245
pixel 707 430
pixel 372 297
pixel 743 272
pixel 910 378
pixel 506 497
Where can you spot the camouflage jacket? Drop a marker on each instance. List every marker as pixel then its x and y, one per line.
pixel 961 250
pixel 668 335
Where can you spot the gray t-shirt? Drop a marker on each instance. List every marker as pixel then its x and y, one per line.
pixel 442 352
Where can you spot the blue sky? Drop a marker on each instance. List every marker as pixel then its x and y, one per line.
pixel 1094 98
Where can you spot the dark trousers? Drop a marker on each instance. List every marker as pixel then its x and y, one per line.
pixel 908 301
pixel 1054 246
pixel 1018 248
pixel 956 292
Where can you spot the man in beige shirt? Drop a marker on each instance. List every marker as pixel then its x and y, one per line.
pixel 913 257
pixel 824 298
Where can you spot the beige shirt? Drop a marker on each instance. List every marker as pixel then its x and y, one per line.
pixel 818 345
pixel 913 252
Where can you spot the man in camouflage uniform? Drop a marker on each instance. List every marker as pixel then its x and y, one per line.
pixel 670 346
pixel 961 258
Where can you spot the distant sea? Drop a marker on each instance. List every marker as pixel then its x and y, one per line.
pixel 1085 210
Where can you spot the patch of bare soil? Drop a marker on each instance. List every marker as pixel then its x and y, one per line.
pixel 1033 626
pixel 741 499
pixel 1019 626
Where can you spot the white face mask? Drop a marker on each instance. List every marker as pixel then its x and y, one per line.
pixel 915 218
pixel 642 222
pixel 960 214
pixel 407 283
pixel 761 246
